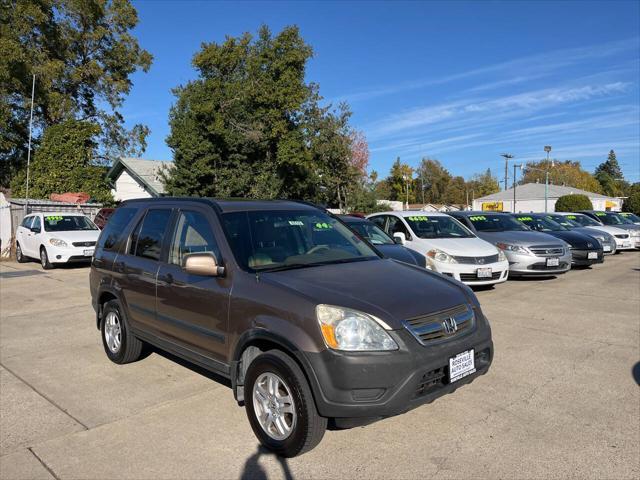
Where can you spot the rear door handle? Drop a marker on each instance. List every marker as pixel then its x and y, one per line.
pixel 168 278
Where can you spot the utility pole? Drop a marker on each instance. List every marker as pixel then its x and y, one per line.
pixel 547 148
pixel 514 184
pixel 33 89
pixel 506 156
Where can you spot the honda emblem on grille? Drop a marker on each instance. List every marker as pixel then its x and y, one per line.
pixel 450 326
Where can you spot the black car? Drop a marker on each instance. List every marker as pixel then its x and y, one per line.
pixel 585 249
pixel 383 242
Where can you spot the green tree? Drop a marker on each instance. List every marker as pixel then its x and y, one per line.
pixel 568 173
pixel 399 180
pixel 83 55
pixel 610 177
pixel 436 180
pixel 251 126
pixel 63 163
pixel 456 191
pixel 482 184
pixel 632 202
pixel 573 203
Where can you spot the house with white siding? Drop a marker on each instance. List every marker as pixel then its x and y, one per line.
pixel 136 178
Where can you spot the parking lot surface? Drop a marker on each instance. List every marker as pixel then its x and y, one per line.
pixel 561 399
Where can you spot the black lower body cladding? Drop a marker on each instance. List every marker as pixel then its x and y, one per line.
pixel 357 388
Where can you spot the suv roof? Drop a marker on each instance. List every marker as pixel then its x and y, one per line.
pixel 234 204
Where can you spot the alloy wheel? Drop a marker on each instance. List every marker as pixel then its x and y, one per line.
pixel 273 405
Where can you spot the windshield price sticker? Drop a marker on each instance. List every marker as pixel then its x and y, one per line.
pixel 418 219
pixel 477 218
pixel 571 217
pixel 600 214
pixel 53 218
pixel 526 219
pixel 296 222
pixel 322 226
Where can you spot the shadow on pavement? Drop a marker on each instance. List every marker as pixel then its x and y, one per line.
pixel 635 371
pixel 253 470
pixel 191 366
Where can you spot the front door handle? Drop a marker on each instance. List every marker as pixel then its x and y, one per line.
pixel 168 278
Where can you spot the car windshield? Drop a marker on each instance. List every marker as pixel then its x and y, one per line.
pixel 609 218
pixel 67 223
pixel 630 216
pixel 439 226
pixel 583 220
pixel 496 223
pixel 540 223
pixel 282 240
pixel 371 232
pixel 564 221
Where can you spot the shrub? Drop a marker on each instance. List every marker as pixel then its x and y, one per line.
pixel 573 203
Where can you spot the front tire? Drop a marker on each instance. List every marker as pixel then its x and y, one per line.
pixel 20 258
pixel 280 405
pixel 120 345
pixel 44 259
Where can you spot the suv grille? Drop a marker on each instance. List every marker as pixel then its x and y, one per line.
pixel 477 260
pixel 443 325
pixel 623 235
pixel 84 244
pixel 546 250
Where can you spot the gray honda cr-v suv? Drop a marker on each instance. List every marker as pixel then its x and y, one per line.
pixel 307 320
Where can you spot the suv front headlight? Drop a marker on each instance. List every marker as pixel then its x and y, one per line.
pixel 513 248
pixel 440 256
pixel 346 329
pixel 56 242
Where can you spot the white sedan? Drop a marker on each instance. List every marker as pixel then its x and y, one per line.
pixel 56 238
pixel 451 248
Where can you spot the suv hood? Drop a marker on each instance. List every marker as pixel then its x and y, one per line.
pixel 519 237
pixel 377 287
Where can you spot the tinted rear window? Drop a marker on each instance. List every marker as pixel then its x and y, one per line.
pixel 146 240
pixel 116 226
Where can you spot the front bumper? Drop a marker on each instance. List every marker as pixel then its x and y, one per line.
pixel 537 266
pixel 468 273
pixel 69 254
pixel 356 388
pixel 624 243
pixel 581 257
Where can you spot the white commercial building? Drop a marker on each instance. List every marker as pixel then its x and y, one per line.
pixel 530 197
pixel 136 178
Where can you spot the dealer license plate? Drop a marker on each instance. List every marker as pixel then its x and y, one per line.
pixel 484 272
pixel 626 244
pixel 461 365
pixel 592 255
pixel 88 252
pixel 606 248
pixel 553 262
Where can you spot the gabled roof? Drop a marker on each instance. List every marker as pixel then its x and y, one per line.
pixel 144 171
pixel 535 191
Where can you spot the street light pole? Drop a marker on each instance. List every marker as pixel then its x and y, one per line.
pixel 33 89
pixel 547 149
pixel 514 184
pixel 506 156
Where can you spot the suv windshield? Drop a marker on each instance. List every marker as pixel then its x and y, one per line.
pixel 371 232
pixel 437 227
pixel 496 223
pixel 609 218
pixel 282 240
pixel 540 223
pixel 67 223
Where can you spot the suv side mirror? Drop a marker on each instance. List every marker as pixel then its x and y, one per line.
pixel 202 264
pixel 399 238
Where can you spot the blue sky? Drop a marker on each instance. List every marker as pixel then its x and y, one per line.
pixel 458 81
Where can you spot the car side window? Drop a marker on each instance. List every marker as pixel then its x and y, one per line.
pixel 396 225
pixel 26 222
pixel 37 224
pixel 148 236
pixel 379 220
pixel 193 234
pixel 114 229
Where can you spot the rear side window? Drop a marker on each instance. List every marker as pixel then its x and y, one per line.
pixel 37 224
pixel 26 223
pixel 117 224
pixel 147 238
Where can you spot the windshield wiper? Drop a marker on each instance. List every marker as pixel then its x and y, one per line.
pixel 289 266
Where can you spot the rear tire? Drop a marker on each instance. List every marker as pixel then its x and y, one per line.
pixel 44 259
pixel 20 258
pixel 120 345
pixel 297 427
